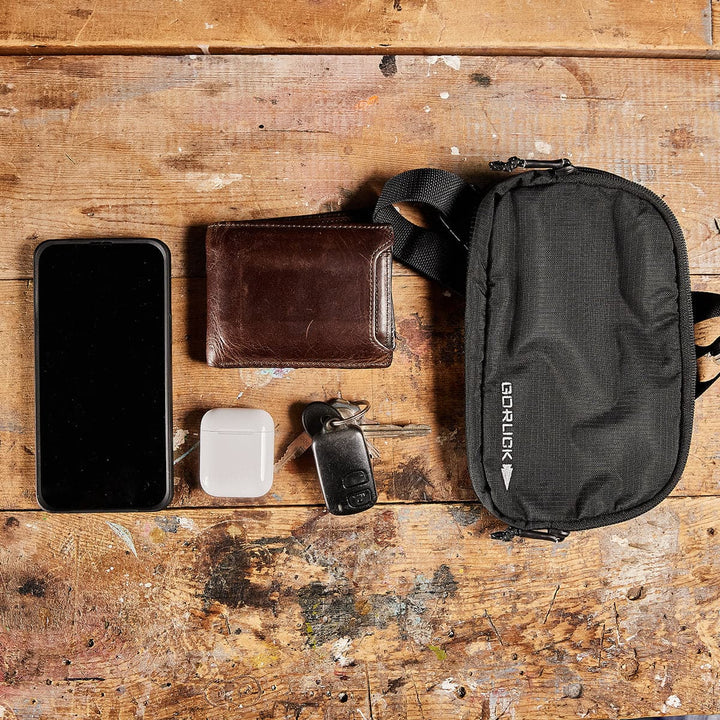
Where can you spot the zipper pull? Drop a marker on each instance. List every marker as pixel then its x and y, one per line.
pixel 515 162
pixel 551 534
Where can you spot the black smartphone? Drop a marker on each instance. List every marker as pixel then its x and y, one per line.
pixel 103 401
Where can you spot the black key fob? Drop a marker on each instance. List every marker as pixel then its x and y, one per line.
pixel 342 461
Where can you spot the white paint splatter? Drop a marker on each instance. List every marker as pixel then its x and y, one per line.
pixel 257 378
pixel 124 534
pixel 543 147
pixel 341 652
pixel 444 95
pixel 205 49
pixel 186 453
pixel 7 112
pixel 673 701
pixel 426 108
pixel 454 150
pixel 186 523
pixel 207 183
pixel 450 685
pixel 563 96
pixel 179 438
pixel 276 373
pixel 209 26
pixel 362 714
pixel 452 61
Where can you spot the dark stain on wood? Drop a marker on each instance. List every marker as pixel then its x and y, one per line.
pixel 465 515
pixel 239 574
pixel 411 481
pixel 12 522
pixel 388 65
pixel 33 586
pixel 481 79
pixel 184 162
pixel 334 612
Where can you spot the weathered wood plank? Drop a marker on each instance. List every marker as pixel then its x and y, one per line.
pixel 162 146
pixel 402 612
pixel 425 384
pixel 644 27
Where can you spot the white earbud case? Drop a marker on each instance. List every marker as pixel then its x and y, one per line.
pixel 236 452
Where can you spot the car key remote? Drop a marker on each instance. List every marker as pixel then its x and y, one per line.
pixel 342 460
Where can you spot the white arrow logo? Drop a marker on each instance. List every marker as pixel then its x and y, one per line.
pixel 507 474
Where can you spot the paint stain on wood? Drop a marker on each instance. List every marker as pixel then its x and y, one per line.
pixel 481 79
pixel 334 612
pixel 388 65
pixel 33 586
pixel 681 138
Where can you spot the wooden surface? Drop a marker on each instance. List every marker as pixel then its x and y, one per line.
pixel 162 146
pixel 401 612
pixel 424 384
pixel 640 27
pixel 276 609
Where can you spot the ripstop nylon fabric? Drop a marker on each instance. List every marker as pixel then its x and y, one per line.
pixel 580 359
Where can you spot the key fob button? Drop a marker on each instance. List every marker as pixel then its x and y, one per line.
pixel 357 477
pixel 359 499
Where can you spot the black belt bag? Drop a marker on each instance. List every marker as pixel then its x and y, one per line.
pixel 579 347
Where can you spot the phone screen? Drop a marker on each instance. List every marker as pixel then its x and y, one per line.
pixel 102 356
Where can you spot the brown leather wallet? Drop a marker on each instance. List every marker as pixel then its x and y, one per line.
pixel 313 291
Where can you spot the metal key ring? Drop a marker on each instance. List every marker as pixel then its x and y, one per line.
pixel 354 419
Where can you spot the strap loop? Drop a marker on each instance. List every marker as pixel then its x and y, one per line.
pixel 440 254
pixel 706 305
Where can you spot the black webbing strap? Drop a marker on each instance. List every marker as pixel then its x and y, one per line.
pixel 439 253
pixel 705 306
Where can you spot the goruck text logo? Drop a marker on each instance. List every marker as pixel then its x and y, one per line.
pixel 506 390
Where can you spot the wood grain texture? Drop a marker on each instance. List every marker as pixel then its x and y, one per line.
pixel 425 384
pixel 402 612
pixel 662 27
pixel 161 146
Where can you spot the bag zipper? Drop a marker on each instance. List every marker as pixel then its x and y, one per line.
pixel 551 534
pixel 514 163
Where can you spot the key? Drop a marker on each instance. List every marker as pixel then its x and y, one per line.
pixel 385 432
pixel 316 413
pixel 293 451
pixel 342 460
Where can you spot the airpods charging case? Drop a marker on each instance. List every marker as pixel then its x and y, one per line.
pixel 236 452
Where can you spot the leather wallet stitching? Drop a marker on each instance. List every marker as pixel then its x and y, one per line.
pixel 373 300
